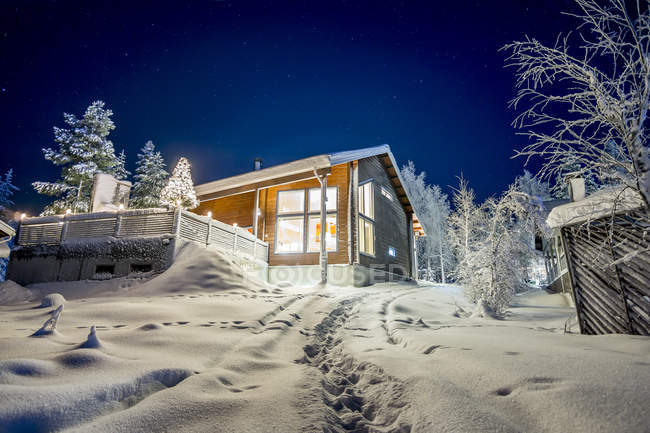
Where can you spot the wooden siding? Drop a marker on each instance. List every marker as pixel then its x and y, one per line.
pixel 391 221
pixel 608 263
pixel 233 209
pixel 338 177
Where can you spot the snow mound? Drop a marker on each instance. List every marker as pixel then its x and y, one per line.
pixel 52 300
pixel 68 404
pixel 13 293
pixel 92 342
pixel 197 268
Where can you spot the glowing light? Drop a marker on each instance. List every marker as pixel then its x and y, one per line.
pixel 22 216
pixel 235 225
pixel 209 214
pixel 121 206
pixel 68 211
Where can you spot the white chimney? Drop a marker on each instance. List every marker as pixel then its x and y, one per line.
pixel 257 163
pixel 576 189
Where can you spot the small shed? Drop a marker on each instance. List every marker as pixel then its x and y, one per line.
pixel 606 240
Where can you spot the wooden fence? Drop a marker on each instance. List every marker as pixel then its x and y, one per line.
pixel 609 265
pixel 141 223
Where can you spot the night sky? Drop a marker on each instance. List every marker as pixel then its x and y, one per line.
pixel 222 82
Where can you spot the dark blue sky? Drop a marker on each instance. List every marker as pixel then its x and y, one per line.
pixel 221 82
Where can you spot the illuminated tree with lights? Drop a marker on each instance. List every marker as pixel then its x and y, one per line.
pixel 179 191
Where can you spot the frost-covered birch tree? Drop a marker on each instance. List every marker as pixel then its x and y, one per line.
pixel 83 150
pixel 435 257
pixel 150 178
pixel 179 191
pixel 584 100
pixel 464 227
pixel 494 241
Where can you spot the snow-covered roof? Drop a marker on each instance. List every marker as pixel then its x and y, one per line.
pixel 306 165
pixel 597 205
pixel 6 229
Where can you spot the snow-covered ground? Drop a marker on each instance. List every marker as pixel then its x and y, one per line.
pixel 201 348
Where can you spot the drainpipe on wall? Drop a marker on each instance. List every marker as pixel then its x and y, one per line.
pixel 323 226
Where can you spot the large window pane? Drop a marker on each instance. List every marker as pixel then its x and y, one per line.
pixel 315 233
pixel 366 200
pixel 366 236
pixel 290 235
pixel 291 201
pixel 314 199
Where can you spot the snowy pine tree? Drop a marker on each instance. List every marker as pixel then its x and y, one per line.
pixel 150 178
pixel 120 172
pixel 179 191
pixel 83 151
pixel 7 189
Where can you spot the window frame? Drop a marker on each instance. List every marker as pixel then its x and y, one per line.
pixel 386 193
pixel 366 219
pixel 305 215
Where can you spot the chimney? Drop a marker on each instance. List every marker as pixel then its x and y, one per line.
pixel 576 189
pixel 257 163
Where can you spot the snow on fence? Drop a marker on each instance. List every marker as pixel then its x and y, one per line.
pixel 141 223
pixel 225 237
pixel 609 271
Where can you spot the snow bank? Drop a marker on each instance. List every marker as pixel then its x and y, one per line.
pixel 14 293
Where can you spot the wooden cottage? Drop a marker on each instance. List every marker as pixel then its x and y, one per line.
pixel 366 219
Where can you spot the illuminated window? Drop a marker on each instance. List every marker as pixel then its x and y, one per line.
pixel 366 236
pixel 314 199
pixel 289 237
pixel 291 201
pixel 386 193
pixel 366 202
pixel 293 219
pixel 315 233
pixel 366 219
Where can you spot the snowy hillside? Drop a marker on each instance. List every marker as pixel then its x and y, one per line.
pixel 202 348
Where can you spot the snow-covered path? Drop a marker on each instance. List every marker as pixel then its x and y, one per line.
pixel 194 351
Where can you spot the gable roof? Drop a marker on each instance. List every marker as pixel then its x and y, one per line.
pixel 305 168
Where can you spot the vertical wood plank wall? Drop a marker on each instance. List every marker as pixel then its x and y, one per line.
pixel 611 295
pixel 391 223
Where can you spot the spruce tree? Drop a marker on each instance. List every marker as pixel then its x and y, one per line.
pixel 120 172
pixel 150 178
pixel 179 191
pixel 7 189
pixel 83 150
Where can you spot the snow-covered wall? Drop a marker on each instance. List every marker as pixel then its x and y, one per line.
pixel 89 259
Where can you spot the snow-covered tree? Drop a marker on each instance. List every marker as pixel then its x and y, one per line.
pixel 7 189
pixel 120 172
pixel 179 191
pixel 83 150
pixel 435 257
pixel 533 187
pixel 150 178
pixel 585 101
pixel 464 227
pixel 495 263
pixel 494 241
